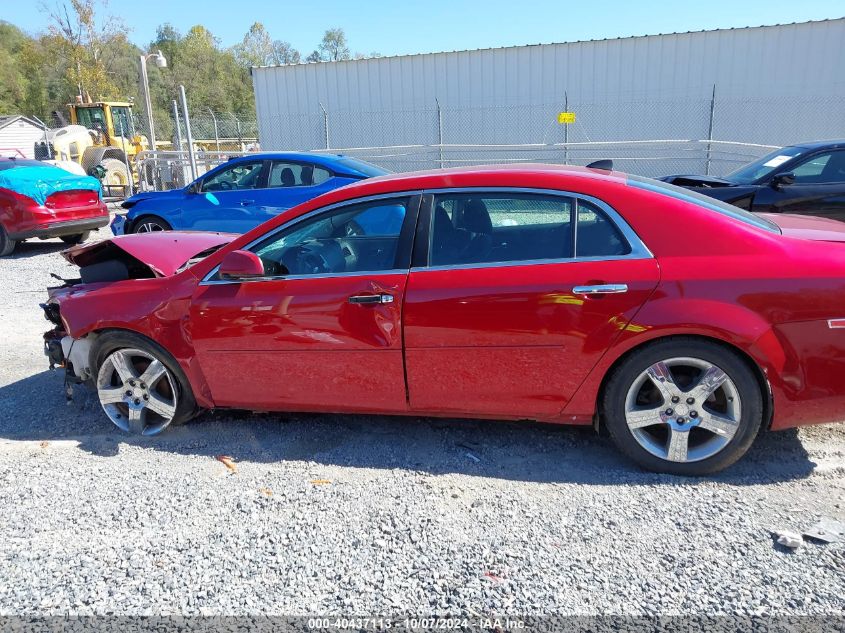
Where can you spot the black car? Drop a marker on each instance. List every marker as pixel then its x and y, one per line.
pixel 808 178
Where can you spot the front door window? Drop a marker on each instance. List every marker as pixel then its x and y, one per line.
pixel 235 178
pixel 355 238
pixel 822 168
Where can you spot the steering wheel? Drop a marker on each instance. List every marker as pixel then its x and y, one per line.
pixel 225 185
pixel 314 258
pixel 352 229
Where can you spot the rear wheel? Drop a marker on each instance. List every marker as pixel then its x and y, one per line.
pixel 140 386
pixel 150 224
pixel 77 238
pixel 683 406
pixel 7 245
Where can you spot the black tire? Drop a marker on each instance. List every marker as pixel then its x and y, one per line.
pixel 6 245
pixel 612 406
pixel 77 238
pixel 145 221
pixel 186 407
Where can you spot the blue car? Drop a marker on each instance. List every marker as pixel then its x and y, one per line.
pixel 242 193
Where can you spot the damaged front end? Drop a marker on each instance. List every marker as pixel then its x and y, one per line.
pixel 72 355
pixel 105 269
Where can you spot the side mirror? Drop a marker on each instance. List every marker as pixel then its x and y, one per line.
pixel 194 187
pixel 241 265
pixel 786 178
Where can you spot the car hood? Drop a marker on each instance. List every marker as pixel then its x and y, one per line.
pixel 686 180
pixel 162 252
pixel 808 227
pixel 172 194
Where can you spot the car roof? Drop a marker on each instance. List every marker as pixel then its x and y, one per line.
pixel 831 144
pixel 330 161
pixel 527 175
pixel 311 157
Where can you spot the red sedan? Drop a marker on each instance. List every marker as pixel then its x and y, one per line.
pixel 38 200
pixel 567 295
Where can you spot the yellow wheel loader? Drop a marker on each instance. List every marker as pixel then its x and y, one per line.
pixel 101 138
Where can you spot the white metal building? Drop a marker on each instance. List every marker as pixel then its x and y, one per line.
pixel 18 135
pixel 773 85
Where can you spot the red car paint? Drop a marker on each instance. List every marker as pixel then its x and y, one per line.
pixel 63 213
pixel 502 342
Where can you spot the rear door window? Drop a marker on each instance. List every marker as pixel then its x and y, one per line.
pixel 289 174
pixel 470 228
pixel 514 228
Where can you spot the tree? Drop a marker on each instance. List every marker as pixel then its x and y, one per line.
pixel 259 49
pixel 284 53
pixel 81 40
pixel 333 47
pixel 314 57
pixel 366 56
pixel 256 49
pixel 13 83
pixel 213 77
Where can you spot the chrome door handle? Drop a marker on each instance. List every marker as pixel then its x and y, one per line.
pixel 246 203
pixel 601 289
pixel 371 299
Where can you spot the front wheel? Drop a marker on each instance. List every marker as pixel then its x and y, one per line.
pixel 150 224
pixel 683 406
pixel 140 386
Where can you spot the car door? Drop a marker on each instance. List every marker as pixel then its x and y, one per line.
pixel 818 188
pixel 514 297
pixel 226 199
pixel 323 330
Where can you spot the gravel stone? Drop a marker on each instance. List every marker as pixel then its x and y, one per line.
pixel 548 520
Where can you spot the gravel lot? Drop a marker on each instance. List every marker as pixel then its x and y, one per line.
pixel 362 515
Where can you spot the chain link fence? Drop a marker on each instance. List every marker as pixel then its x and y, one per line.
pixel 211 131
pixel 647 137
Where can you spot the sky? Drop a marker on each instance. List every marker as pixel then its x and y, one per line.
pixel 397 27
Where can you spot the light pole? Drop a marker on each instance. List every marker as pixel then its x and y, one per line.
pixel 161 62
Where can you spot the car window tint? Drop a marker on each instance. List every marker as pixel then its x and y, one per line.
pixel 826 167
pixel 285 174
pixel 469 228
pixel 597 235
pixel 361 237
pixel 234 178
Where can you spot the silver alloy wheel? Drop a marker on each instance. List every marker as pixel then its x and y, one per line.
pixel 149 227
pixel 137 392
pixel 683 409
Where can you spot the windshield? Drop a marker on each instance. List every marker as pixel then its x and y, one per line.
pixel 92 118
pixel 701 200
pixel 363 167
pixel 763 166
